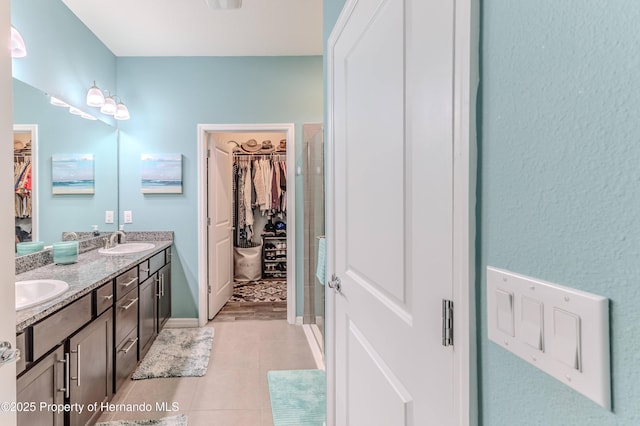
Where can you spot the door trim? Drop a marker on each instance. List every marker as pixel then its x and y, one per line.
pixel 203 130
pixel 466 81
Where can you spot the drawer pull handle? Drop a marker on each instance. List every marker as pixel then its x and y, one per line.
pixel 131 303
pixel 127 349
pixel 128 283
pixel 78 356
pixel 146 271
pixel 67 374
pixel 109 297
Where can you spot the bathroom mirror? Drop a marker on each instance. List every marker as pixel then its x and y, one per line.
pixel 62 134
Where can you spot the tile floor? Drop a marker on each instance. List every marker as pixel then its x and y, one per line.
pixel 234 392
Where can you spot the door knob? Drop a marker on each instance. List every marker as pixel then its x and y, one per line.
pixel 7 354
pixel 335 283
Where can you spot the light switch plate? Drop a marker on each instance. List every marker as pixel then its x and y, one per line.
pixel 128 216
pixel 581 359
pixel 108 216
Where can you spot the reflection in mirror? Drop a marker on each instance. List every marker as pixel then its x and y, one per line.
pixel 61 133
pixel 25 154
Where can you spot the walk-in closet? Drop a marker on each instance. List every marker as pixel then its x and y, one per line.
pixel 258 203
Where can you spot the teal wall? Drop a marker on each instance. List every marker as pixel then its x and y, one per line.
pixel 168 98
pixel 63 56
pixel 559 188
pixel 62 133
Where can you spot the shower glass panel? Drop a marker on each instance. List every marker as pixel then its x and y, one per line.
pixel 314 232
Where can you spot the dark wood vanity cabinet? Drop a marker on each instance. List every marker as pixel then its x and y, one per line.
pixel 155 299
pixel 148 321
pixel 164 295
pixel 43 383
pixel 76 369
pixel 82 353
pixel 91 368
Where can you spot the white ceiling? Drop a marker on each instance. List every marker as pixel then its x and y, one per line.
pixel 190 28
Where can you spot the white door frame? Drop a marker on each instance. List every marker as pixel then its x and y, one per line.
pixel 35 216
pixel 203 130
pixel 466 81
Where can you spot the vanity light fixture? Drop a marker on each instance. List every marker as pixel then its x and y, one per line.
pixel 224 4
pixel 57 102
pixel 109 106
pixel 18 48
pixel 95 98
pixel 122 112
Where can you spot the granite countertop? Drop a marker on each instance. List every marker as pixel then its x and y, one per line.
pixel 91 271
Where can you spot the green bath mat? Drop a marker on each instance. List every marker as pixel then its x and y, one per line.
pixel 179 420
pixel 298 397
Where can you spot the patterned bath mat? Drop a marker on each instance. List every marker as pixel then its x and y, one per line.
pixel 298 397
pixel 177 352
pixel 179 420
pixel 259 291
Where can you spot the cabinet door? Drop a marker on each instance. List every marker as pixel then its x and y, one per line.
pixel 43 383
pixel 91 365
pixel 148 315
pixel 164 299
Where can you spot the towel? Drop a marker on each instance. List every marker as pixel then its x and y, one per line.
pixel 321 273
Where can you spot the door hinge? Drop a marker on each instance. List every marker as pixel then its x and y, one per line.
pixel 209 289
pixel 447 322
pixel 208 153
pixel 208 221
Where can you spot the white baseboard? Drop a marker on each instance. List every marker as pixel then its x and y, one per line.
pixel 299 321
pixel 181 323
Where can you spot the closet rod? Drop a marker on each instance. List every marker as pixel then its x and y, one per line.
pixel 272 155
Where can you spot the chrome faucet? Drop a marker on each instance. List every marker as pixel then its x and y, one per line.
pixel 114 236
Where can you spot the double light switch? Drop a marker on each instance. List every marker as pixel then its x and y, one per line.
pixel 562 331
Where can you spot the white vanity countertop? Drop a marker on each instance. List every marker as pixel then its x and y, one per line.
pixel 91 271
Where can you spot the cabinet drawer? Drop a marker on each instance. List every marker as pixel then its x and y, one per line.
pixel 156 262
pixel 143 271
pixel 21 344
pixel 126 358
pixel 126 315
pixel 104 298
pixel 126 281
pixel 51 331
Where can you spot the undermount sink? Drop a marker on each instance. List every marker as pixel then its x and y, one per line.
pixel 128 248
pixel 34 292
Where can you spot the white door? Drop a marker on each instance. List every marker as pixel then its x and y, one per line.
pixel 392 103
pixel 220 268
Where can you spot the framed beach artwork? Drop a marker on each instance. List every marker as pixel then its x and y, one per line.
pixel 72 174
pixel 161 173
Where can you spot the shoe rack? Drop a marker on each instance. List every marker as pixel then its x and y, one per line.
pixel 274 257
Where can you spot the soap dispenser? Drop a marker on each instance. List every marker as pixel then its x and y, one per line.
pixel 95 230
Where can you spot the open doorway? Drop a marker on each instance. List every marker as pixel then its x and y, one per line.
pixel 233 250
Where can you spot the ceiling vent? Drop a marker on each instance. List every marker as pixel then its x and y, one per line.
pixel 224 4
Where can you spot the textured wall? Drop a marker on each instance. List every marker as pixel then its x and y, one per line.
pixel 560 187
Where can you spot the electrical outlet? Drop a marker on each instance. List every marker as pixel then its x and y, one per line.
pixel 128 216
pixel 108 216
